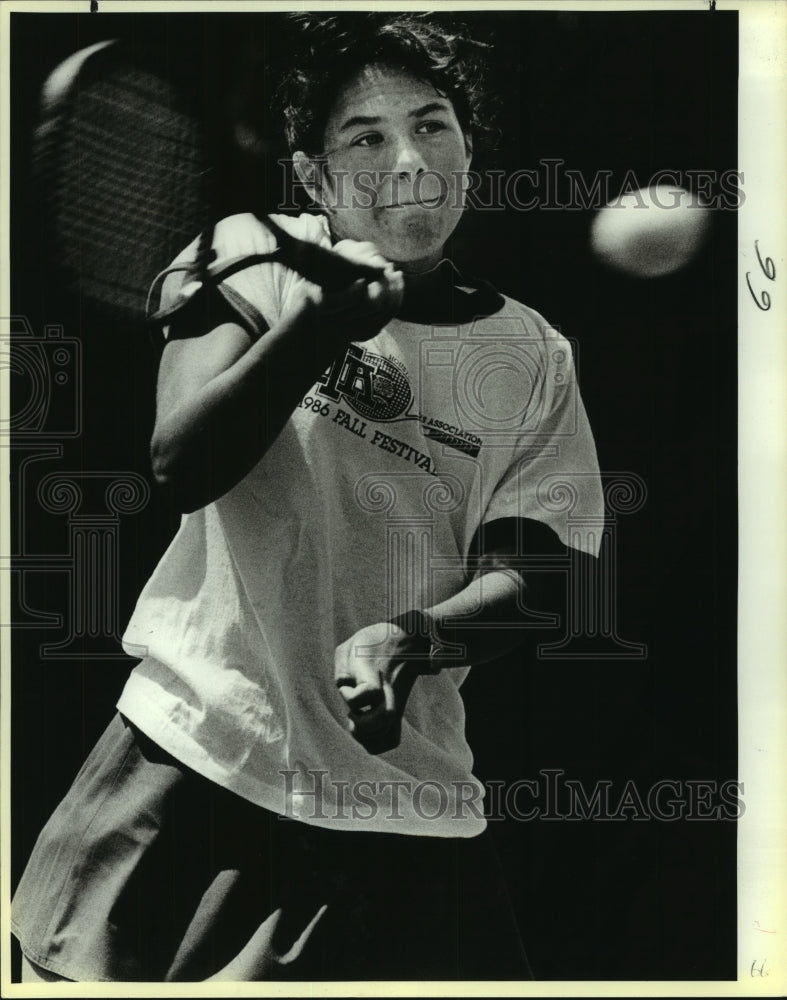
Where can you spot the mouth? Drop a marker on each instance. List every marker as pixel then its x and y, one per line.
pixel 422 203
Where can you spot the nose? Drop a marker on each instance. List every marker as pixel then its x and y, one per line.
pixel 408 162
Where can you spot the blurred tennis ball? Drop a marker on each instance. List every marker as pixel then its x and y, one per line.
pixel 650 232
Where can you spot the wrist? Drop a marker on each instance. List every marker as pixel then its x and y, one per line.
pixel 317 331
pixel 423 643
pixel 303 332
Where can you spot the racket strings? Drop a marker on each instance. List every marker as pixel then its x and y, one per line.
pixel 122 167
pixel 205 253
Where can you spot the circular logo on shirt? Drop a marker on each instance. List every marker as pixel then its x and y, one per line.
pixel 391 395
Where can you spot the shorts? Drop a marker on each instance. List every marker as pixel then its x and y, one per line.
pixel 149 872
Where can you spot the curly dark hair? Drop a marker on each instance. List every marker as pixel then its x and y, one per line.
pixel 327 50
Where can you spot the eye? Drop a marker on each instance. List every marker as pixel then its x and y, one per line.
pixel 431 128
pixel 370 139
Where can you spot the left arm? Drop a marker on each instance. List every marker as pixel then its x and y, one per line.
pixel 376 683
pixel 493 605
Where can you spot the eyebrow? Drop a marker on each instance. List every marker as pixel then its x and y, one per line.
pixel 427 109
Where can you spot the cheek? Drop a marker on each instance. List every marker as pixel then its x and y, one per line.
pixel 418 231
pixel 352 224
pixel 451 163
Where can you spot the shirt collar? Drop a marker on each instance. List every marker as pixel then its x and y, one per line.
pixel 444 295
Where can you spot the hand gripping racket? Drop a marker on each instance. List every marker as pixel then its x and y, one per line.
pixel 315 263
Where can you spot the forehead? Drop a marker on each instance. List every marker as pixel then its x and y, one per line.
pixel 381 91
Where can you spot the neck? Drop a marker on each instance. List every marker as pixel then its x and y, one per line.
pixel 422 266
pixel 441 274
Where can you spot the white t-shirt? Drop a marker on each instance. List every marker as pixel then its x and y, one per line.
pixel 364 507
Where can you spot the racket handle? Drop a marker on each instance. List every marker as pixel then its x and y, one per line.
pixel 326 268
pixel 323 267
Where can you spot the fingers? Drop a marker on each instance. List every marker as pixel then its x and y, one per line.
pixel 352 305
pixel 375 676
pixel 385 299
pixel 390 288
pixel 362 309
pixel 368 695
pixel 358 311
pixel 361 252
pixel 376 707
pixel 370 703
pixel 360 697
pixel 388 291
pixel 304 305
pixel 380 730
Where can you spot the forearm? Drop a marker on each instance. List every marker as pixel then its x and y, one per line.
pixel 484 619
pixel 208 442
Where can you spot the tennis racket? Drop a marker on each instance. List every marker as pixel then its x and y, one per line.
pixel 123 160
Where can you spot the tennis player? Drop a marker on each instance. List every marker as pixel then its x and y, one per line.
pixel 286 790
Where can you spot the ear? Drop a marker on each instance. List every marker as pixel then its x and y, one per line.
pixel 469 147
pixel 310 175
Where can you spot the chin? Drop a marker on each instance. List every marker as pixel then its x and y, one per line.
pixel 420 237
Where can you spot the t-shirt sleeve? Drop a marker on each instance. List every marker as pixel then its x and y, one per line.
pixel 553 474
pixel 258 294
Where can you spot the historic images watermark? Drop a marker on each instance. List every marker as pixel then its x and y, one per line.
pixel 311 795
pixel 549 185
pixel 84 509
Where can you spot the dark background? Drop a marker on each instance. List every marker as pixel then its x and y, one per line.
pixel 657 367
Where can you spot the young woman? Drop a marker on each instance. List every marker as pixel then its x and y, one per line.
pixel 286 790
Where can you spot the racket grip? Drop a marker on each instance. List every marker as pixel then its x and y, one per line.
pixel 323 267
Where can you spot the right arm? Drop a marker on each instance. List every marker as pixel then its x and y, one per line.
pixel 222 399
